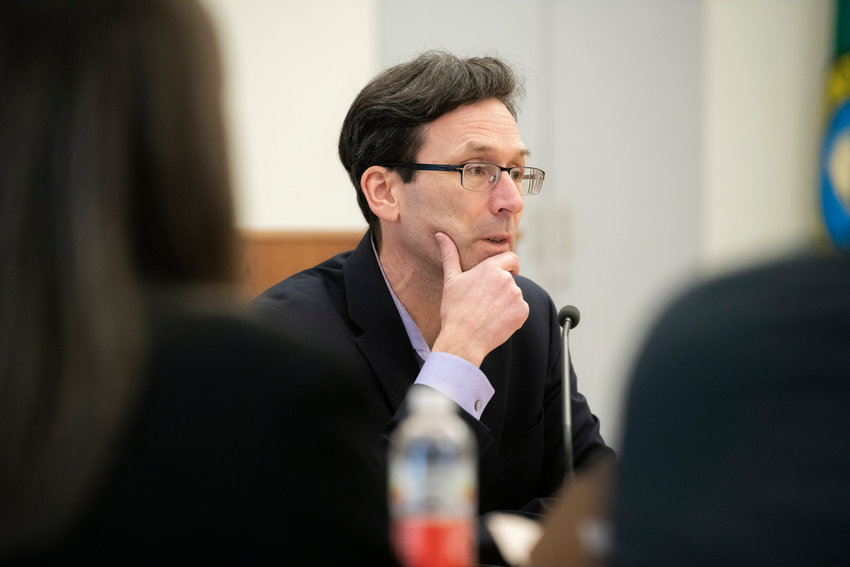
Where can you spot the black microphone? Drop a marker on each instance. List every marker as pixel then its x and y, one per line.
pixel 568 317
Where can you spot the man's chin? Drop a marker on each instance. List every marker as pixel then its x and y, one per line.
pixel 470 260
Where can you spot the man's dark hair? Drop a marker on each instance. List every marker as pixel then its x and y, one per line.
pixel 385 122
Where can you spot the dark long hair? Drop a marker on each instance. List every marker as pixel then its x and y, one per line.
pixel 384 123
pixel 113 181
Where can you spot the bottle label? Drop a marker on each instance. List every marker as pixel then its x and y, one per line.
pixel 435 542
pixel 418 486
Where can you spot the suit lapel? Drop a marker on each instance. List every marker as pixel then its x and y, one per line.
pixel 383 340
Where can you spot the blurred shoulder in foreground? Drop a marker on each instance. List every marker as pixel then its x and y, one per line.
pixel 735 444
pixel 142 417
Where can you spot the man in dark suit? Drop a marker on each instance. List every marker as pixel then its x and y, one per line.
pixel 431 296
pixel 736 447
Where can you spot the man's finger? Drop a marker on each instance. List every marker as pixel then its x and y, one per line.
pixel 507 261
pixel 448 255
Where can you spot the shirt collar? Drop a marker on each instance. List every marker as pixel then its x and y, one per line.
pixel 417 341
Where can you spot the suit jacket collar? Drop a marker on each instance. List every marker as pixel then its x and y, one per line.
pixel 383 339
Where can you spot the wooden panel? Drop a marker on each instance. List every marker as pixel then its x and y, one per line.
pixel 272 255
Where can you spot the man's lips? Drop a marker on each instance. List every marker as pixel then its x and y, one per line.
pixel 498 239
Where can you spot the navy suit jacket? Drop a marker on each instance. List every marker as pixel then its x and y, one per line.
pixel 345 303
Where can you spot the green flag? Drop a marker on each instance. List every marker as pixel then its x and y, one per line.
pixel 835 150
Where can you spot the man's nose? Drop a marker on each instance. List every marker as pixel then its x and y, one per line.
pixel 506 195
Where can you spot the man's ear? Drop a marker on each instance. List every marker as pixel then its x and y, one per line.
pixel 380 187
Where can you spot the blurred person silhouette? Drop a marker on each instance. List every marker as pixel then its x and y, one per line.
pixel 143 415
pixel 735 448
pixel 431 296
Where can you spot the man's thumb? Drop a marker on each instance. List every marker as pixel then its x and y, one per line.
pixel 448 255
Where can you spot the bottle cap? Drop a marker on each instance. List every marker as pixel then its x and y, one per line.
pixel 424 399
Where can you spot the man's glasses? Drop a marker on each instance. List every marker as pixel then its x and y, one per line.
pixel 484 176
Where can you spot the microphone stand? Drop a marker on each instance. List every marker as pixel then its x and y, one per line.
pixel 568 317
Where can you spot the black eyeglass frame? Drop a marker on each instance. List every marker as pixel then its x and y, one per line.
pixel 459 169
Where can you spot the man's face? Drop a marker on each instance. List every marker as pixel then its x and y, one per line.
pixel 482 224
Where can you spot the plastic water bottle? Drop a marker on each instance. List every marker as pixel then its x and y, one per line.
pixel 433 484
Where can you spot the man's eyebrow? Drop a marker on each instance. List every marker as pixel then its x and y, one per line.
pixel 476 147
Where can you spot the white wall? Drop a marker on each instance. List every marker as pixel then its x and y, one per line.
pixel 627 112
pixel 678 136
pixel 292 69
pixel 764 63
